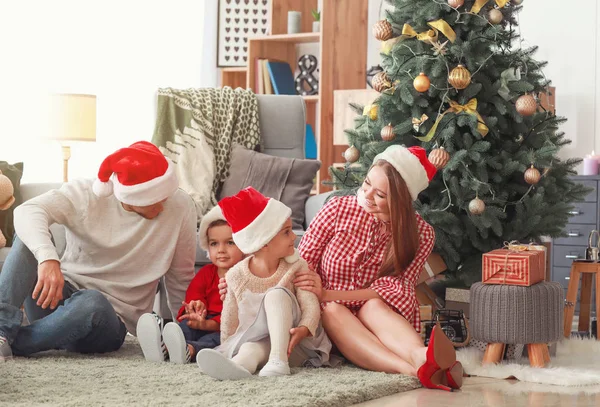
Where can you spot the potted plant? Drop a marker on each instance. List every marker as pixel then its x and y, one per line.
pixel 317 23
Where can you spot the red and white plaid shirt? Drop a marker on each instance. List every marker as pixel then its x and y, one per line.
pixel 346 246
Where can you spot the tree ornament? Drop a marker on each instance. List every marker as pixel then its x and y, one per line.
pixel 519 138
pixel 381 82
pixel 456 3
pixel 532 175
pixel 476 206
pixel 546 171
pixel 495 16
pixel 352 154
pixel 517 2
pixel 439 157
pixel 422 83
pixel 526 105
pixel 387 133
pixel 382 30
pixel 371 111
pixel 459 77
pixel 439 48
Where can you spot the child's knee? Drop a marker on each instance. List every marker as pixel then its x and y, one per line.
pixel 277 296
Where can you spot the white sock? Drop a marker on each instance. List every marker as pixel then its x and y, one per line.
pixel 252 354
pixel 278 306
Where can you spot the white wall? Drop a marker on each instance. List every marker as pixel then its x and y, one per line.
pixel 569 39
pixel 121 51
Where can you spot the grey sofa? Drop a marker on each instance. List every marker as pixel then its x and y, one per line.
pixel 282 123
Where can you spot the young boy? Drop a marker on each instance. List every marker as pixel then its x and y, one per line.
pixel 199 319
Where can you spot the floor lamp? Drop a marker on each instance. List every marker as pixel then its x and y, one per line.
pixel 72 118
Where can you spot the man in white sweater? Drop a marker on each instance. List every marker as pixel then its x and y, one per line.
pixel 122 236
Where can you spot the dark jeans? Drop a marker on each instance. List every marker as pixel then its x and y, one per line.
pixel 200 339
pixel 83 322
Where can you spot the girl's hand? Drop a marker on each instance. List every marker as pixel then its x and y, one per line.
pixel 297 334
pixel 222 288
pixel 310 281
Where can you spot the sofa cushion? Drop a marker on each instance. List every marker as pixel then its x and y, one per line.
pixel 250 168
pixel 14 172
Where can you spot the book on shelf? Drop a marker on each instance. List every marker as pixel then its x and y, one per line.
pixel 266 78
pixel 260 87
pixel 282 78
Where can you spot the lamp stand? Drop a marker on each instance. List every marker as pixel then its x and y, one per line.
pixel 66 153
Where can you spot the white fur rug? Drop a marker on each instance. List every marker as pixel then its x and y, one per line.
pixel 576 364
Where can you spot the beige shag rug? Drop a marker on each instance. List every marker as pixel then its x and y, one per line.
pixel 576 363
pixel 124 378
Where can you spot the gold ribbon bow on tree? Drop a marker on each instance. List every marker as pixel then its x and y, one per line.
pixel 429 36
pixel 480 3
pixel 469 108
pixel 371 111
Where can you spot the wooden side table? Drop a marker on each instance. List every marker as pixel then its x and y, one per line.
pixel 586 272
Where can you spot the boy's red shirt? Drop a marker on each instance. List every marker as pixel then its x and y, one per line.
pixel 205 287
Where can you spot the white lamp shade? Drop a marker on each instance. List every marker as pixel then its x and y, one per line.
pixel 72 117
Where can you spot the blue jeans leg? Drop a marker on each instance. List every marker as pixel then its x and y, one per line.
pixel 86 323
pixel 17 279
pixel 200 339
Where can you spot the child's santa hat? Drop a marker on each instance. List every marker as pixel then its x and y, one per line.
pixel 211 216
pixel 412 164
pixel 141 175
pixel 254 218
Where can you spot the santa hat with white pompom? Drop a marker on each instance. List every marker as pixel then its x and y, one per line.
pixel 141 175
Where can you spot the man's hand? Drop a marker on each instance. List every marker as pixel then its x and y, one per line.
pixel 297 334
pixel 50 283
pixel 222 288
pixel 195 320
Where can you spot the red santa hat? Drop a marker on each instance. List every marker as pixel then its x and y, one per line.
pixel 254 218
pixel 141 175
pixel 211 216
pixel 412 164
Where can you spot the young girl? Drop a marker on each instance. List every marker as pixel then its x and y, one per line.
pixel 266 320
pixel 200 316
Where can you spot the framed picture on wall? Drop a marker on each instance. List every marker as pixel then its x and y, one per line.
pixel 238 21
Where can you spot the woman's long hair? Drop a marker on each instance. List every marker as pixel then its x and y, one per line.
pixel 404 244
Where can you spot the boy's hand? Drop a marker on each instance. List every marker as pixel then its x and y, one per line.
pixel 223 288
pixel 297 334
pixel 194 307
pixel 194 320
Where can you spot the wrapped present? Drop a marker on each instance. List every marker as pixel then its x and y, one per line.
pixel 458 299
pixel 523 265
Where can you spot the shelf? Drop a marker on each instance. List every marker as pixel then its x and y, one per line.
pixel 291 38
pixel 235 69
pixel 311 98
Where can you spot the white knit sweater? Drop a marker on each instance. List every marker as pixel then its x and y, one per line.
pixel 109 249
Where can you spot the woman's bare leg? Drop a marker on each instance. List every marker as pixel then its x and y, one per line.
pixel 359 345
pixel 395 333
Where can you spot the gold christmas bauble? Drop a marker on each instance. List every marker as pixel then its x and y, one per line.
pixel 517 2
pixel 526 105
pixel 387 133
pixel 476 206
pixel 352 154
pixel 421 83
pixel 532 176
pixel 439 157
pixel 495 16
pixel 456 3
pixel 381 82
pixel 459 77
pixel 382 30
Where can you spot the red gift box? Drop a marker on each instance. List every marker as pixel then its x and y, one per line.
pixel 504 266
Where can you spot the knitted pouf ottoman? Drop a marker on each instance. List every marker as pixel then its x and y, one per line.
pixel 508 314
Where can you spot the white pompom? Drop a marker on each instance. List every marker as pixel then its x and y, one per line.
pixel 102 189
pixel 292 258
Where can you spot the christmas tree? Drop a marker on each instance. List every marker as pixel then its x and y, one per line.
pixel 457 82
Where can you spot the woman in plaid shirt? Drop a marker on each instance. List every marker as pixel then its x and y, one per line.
pixel 368 251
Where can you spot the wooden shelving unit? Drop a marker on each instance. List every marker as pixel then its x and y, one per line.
pixel 342 61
